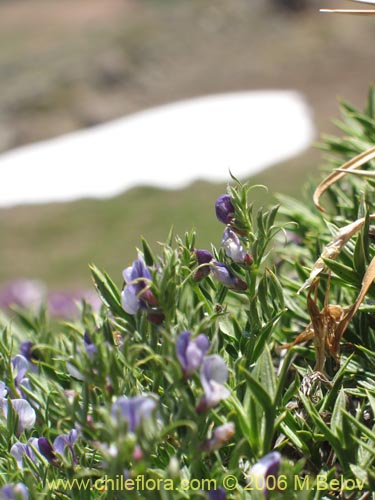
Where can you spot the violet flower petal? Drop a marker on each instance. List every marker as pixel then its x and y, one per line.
pixel 14 491
pixel 133 410
pixel 224 209
pixel 190 353
pixel 20 366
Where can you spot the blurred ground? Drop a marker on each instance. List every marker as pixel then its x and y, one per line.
pixel 73 64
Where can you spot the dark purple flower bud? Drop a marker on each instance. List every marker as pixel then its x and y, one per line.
pixel 204 258
pixel 66 441
pixel 133 410
pixel 219 494
pixel 156 317
pixel 46 449
pixel 90 347
pixel 213 375
pixel 190 353
pixel 222 274
pixel 233 247
pixel 19 450
pixel 220 436
pixel 224 209
pixel 26 350
pixel 267 466
pixel 14 492
pixel 136 293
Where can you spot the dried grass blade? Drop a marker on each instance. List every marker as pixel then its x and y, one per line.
pixel 368 278
pixel 362 173
pixel 334 176
pixel 332 250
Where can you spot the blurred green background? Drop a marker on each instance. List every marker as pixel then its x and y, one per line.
pixel 66 65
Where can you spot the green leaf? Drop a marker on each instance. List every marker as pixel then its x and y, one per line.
pixel 108 291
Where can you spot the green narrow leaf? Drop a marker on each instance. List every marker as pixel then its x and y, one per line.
pixel 344 272
pixel 108 291
pixel 260 394
pixel 147 253
pixel 337 416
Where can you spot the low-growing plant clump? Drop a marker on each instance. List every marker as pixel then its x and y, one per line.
pixel 240 372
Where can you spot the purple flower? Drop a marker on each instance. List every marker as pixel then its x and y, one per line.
pixel 66 441
pixel 219 437
pixel 19 369
pixel 26 414
pixel 90 347
pixel 219 494
pixel 224 209
pixel 222 274
pixel 136 293
pixel 213 375
pixel 267 466
pixel 203 257
pixel 133 410
pixel 190 353
pixel 26 350
pixel 46 449
pixel 233 247
pixel 3 390
pixel 14 492
pixel 23 293
pixel 19 450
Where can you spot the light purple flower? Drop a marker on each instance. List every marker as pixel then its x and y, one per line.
pixel 203 257
pixel 23 293
pixel 3 390
pixel 136 293
pixel 222 274
pixel 26 414
pixel 14 492
pixel 190 353
pixel 213 375
pixel 20 366
pixel 224 209
pixel 267 466
pixel 233 247
pixel 18 450
pixel 220 436
pixel 66 441
pixel 219 494
pixel 133 410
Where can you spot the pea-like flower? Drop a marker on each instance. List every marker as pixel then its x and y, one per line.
pixel 26 414
pixel 267 466
pixel 213 375
pixel 66 441
pixel 19 450
pixel 133 410
pixel 90 347
pixel 220 436
pixel 190 353
pixel 219 494
pixel 233 247
pixel 204 257
pixel 14 492
pixel 222 274
pixel 46 449
pixel 224 209
pixel 137 293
